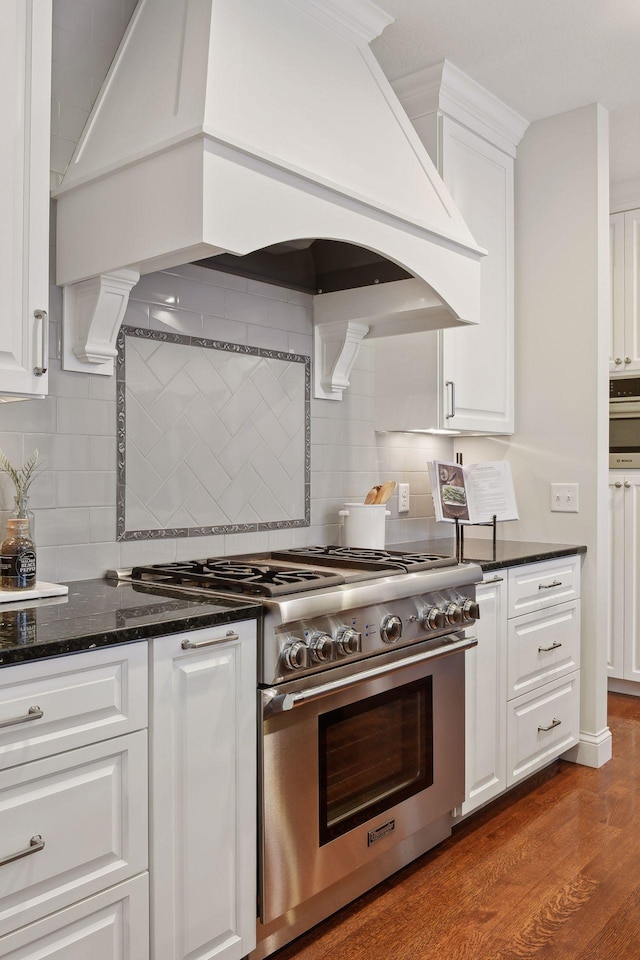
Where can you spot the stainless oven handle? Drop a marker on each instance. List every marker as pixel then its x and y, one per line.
pixel 280 703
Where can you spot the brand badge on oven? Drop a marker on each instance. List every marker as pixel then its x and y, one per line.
pixel 380 832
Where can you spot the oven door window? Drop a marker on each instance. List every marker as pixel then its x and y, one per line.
pixel 624 435
pixel 374 754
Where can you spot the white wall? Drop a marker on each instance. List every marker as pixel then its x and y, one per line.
pixel 561 374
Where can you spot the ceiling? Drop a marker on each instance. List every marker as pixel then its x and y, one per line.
pixel 541 57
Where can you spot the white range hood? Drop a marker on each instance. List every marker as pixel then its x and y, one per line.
pixel 227 126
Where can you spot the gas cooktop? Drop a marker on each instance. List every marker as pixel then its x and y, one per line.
pixel 286 572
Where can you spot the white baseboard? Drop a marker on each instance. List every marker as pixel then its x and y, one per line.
pixel 591 750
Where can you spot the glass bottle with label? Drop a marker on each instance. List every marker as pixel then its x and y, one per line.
pixel 17 556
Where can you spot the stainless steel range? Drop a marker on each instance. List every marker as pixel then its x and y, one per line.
pixel 361 713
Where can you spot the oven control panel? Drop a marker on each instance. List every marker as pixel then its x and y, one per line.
pixel 314 645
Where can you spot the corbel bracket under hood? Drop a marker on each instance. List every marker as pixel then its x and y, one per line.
pixel 221 128
pixel 342 319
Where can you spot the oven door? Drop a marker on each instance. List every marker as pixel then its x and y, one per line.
pixel 354 765
pixel 624 435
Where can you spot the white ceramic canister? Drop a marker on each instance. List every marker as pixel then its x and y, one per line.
pixel 364 524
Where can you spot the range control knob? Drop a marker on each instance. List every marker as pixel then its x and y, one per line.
pixel 391 628
pixel 321 646
pixel 348 640
pixel 432 618
pixel 453 613
pixel 295 654
pixel 470 610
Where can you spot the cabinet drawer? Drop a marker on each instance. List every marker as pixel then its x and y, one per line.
pixel 542 725
pixel 542 646
pixel 89 806
pixel 82 699
pixel 113 924
pixel 537 585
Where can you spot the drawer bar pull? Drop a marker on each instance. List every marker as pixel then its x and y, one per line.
pixel 36 844
pixel 548 586
pixel 190 645
pixel 554 646
pixel 494 580
pixel 554 723
pixel 33 713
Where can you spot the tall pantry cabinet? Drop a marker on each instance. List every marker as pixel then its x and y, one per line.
pixel 624 351
pixel 25 108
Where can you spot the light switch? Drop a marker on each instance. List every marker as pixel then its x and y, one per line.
pixel 564 497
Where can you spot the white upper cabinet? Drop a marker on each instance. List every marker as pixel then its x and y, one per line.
pixel 468 372
pixel 625 292
pixel 25 105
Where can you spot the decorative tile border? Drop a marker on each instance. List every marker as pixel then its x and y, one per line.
pixel 203 530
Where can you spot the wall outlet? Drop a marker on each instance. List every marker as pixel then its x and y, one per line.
pixel 403 498
pixel 564 497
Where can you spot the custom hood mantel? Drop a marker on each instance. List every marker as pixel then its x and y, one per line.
pixel 228 126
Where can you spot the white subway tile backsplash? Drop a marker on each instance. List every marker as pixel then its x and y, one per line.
pixel 293 317
pixel 62 525
pixel 102 524
pixel 91 417
pixel 86 489
pixel 84 561
pixel 267 339
pixel 102 453
pixel 177 321
pixel 229 331
pixel 246 308
pixel 32 416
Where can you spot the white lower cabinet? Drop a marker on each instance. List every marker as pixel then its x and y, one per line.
pixel 88 810
pixel 203 794
pixel 523 678
pixel 486 672
pixel 113 925
pixel 74 807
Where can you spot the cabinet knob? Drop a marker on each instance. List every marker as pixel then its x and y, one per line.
pixel 627 359
pixel 618 360
pixel 627 483
pixel 617 484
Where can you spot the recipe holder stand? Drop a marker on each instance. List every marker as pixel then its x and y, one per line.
pixel 460 536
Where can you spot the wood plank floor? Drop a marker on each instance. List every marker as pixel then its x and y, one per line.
pixel 552 872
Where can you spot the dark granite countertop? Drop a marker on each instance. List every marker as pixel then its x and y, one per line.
pixel 100 613
pixel 508 553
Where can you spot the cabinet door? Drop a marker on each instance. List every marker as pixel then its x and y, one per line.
pixel 631 490
pixel 485 713
pixel 616 250
pixel 615 639
pixel 25 104
pixel 479 359
pixel 203 812
pixel 631 355
pixel 110 926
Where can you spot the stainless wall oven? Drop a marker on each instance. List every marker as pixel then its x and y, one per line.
pixel 624 423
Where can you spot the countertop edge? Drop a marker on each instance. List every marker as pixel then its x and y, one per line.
pixel 569 551
pixel 113 638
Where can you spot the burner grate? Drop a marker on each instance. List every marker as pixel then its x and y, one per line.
pixel 366 558
pixel 237 575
